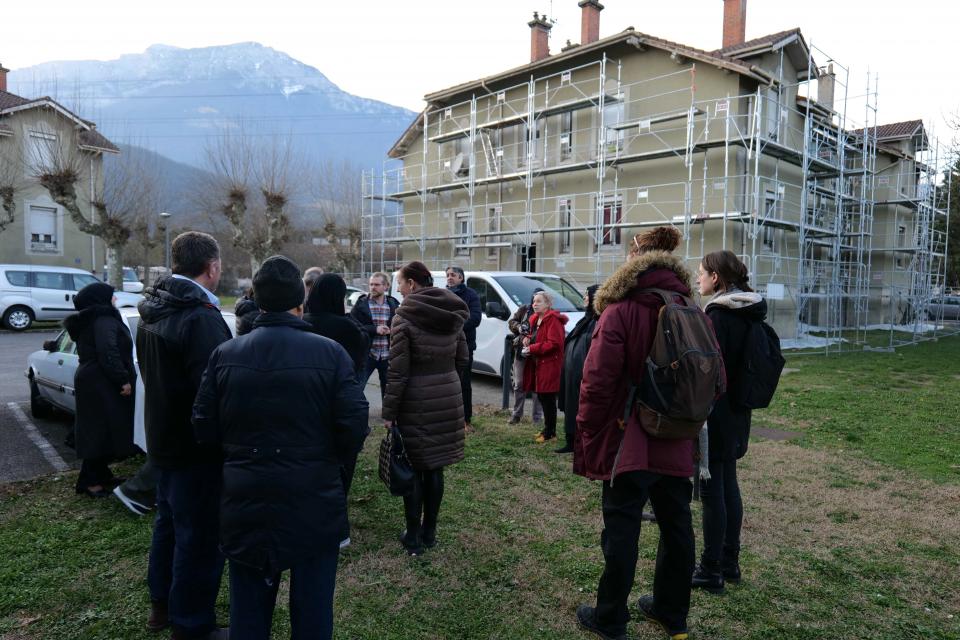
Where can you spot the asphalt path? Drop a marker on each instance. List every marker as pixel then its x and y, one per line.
pixel 31 447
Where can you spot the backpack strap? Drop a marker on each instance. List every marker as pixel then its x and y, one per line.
pixel 667 296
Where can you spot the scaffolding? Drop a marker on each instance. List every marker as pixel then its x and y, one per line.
pixel 550 173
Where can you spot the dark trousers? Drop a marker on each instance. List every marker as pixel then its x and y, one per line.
pixel 549 403
pixel 380 366
pixel 94 471
pixel 466 388
pixel 422 507
pixel 185 563
pixel 722 513
pixel 253 598
pixel 623 502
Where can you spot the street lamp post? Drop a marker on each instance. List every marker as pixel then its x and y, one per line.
pixel 165 221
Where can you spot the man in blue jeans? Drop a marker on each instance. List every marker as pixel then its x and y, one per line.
pixel 374 313
pixel 180 326
pixel 285 407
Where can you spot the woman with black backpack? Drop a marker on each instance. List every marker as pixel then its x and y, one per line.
pixel 733 310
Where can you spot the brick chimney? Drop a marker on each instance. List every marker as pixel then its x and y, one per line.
pixel 539 37
pixel 734 22
pixel 589 21
pixel 3 78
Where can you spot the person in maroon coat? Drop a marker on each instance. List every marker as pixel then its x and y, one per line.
pixel 544 351
pixel 634 466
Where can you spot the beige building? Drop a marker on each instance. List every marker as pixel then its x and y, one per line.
pixel 41 232
pixel 753 147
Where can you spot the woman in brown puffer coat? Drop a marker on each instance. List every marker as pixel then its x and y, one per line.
pixel 427 348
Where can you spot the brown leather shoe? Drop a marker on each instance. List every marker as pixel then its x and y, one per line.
pixel 159 620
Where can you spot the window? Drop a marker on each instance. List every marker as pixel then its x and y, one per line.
pixel 772 112
pixel 64 343
pixel 53 280
pixel 770 212
pixel 80 280
pixel 531 149
pixel 485 292
pixel 611 214
pixel 520 289
pixel 463 229
pixel 42 225
pixel 42 147
pixel 901 235
pixel 566 221
pixel 566 135
pixel 18 278
pixel 613 115
pixel 493 226
pixel 768 237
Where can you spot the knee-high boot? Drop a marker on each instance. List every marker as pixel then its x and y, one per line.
pixel 432 497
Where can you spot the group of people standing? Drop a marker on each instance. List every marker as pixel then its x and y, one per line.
pixel 254 439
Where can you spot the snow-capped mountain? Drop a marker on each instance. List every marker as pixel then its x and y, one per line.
pixel 175 100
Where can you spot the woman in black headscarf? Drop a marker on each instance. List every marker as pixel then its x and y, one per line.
pixel 104 384
pixel 575 348
pixel 325 312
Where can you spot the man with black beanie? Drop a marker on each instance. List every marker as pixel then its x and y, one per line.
pixel 285 407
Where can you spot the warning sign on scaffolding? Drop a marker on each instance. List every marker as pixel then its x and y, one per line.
pixel 722 105
pixel 775 291
pixel 642 194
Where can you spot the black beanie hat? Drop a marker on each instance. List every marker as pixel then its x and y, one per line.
pixel 93 294
pixel 277 285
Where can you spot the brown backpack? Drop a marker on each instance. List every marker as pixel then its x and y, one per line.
pixel 683 375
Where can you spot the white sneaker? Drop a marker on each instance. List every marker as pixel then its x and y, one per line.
pixel 345 543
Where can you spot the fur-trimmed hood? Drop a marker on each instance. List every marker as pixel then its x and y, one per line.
pixel 744 303
pixel 627 278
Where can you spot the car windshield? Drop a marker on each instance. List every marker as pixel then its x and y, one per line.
pixel 129 275
pixel 80 280
pixel 521 288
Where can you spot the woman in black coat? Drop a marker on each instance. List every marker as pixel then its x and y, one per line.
pixel 576 347
pixel 732 309
pixel 325 313
pixel 104 384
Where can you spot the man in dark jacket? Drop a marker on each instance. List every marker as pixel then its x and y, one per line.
pixel 634 466
pixel 374 313
pixel 180 326
pixel 455 282
pixel 285 407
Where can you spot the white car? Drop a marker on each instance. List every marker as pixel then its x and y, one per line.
pixel 353 294
pixel 30 292
pixel 501 294
pixel 50 373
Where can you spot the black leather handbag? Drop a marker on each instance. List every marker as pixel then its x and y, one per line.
pixel 395 469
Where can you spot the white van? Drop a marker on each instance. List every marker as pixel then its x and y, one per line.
pixel 501 294
pixel 31 292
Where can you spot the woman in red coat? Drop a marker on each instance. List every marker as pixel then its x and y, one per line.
pixel 544 350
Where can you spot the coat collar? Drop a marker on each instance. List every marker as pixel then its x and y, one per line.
pixel 624 279
pixel 280 319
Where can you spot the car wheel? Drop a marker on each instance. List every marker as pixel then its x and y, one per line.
pixel 18 318
pixel 39 408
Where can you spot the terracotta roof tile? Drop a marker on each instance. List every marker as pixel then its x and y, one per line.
pixel 897 129
pixel 756 42
pixel 9 100
pixel 93 138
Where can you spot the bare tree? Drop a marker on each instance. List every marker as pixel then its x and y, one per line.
pixel 242 164
pixel 336 189
pixel 129 189
pixel 11 181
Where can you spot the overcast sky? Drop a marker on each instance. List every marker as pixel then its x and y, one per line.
pixel 398 50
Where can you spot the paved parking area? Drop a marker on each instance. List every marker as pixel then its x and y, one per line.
pixel 34 447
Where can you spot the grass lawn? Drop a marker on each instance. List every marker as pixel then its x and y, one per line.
pixel 851 530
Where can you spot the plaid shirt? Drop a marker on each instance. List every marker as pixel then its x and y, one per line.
pixel 380 347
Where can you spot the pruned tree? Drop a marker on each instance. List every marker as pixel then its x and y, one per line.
pixel 11 181
pixel 128 189
pixel 242 165
pixel 337 190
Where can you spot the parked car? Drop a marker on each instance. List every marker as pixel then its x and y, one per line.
pixel 29 293
pixel 944 308
pixel 50 374
pixel 501 294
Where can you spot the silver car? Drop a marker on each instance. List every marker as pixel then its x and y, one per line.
pixel 50 374
pixel 944 308
pixel 30 292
